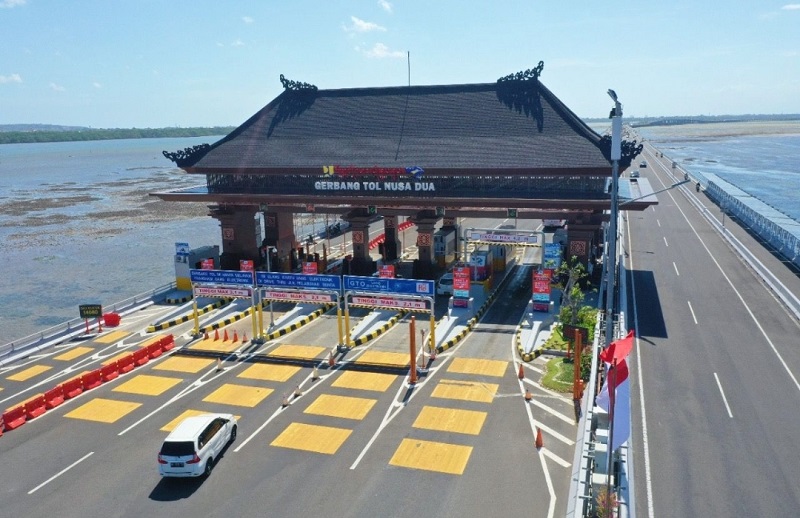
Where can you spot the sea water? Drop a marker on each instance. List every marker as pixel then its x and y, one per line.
pixel 77 224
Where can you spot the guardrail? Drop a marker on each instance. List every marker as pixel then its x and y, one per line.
pixel 77 326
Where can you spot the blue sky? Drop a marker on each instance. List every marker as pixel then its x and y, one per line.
pixel 155 63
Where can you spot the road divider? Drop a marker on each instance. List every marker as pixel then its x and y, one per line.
pixel 14 417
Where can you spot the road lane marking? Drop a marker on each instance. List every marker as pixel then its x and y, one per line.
pixel 659 222
pixel 692 311
pixel 724 399
pixel 61 472
pixel 676 269
pixel 665 241
pixel 556 458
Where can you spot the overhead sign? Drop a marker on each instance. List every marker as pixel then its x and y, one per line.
pixel 182 249
pixel 389 302
pixel 378 285
pixel 221 277
pixel 503 238
pixel 297 296
pixel 215 291
pixel 299 281
pixel 90 310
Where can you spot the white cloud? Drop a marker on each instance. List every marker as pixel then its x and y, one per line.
pixel 97 85
pixel 247 19
pixel 12 3
pixel 56 88
pixel 791 7
pixel 13 78
pixel 387 6
pixel 380 51
pixel 237 43
pixel 360 25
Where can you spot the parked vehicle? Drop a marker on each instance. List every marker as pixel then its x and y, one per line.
pixel 445 284
pixel 192 447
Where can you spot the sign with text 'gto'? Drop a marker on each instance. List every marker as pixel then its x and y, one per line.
pixel 299 281
pixel 215 291
pixel 383 285
pixel 221 277
pixel 389 302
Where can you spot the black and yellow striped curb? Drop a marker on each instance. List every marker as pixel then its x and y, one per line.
pixel 529 356
pixel 181 300
pixel 375 333
pixel 470 324
pixel 297 324
pixel 185 318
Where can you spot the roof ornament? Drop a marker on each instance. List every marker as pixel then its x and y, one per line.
pixel 188 155
pixel 297 86
pixel 525 75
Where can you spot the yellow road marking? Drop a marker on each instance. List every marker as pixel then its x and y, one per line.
pixel 267 372
pixel 365 381
pixel 319 439
pixel 73 353
pixel 465 390
pixel 216 345
pixel 432 456
pixel 481 366
pixel 147 385
pixel 450 420
pixel 385 358
pixel 111 337
pixel 297 351
pixel 29 373
pixel 183 364
pixel 103 410
pixel 341 406
pixel 239 395
pixel 188 413
pixel 115 358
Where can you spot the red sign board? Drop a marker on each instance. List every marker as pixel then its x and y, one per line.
pixel 461 278
pixel 207 264
pixel 541 291
pixel 246 265
pixel 310 268
pixel 386 271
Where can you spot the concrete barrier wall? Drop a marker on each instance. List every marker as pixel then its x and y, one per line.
pixel 771 225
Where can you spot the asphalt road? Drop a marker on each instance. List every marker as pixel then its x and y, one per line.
pixel 461 442
pixel 716 399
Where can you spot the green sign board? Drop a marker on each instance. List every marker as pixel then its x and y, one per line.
pixel 90 310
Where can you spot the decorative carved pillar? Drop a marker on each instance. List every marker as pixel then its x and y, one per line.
pixel 362 263
pixel 391 245
pixel 423 266
pixel 239 235
pixel 279 233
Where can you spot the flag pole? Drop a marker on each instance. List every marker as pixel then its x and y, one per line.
pixel 612 396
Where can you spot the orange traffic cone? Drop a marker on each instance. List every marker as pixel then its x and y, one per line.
pixel 521 373
pixel 539 441
pixel 225 336
pixel 235 336
pixel 216 334
pixel 528 395
pixel 331 360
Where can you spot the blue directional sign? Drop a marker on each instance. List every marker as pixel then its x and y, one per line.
pixel 221 277
pixel 299 281
pixel 386 285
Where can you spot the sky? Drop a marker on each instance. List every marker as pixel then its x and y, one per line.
pixel 155 63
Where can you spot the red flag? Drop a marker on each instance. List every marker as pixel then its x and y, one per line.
pixel 618 349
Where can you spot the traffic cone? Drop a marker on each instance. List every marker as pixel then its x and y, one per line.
pixel 298 392
pixel 205 335
pixel 528 395
pixel 235 336
pixel 216 334
pixel 314 374
pixel 521 373
pixel 225 337
pixel 219 364
pixel 244 337
pixel 539 441
pixel 331 360
pixel 285 401
pixel 433 354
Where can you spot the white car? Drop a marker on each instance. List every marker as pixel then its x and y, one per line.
pixel 192 447
pixel 634 174
pixel 445 285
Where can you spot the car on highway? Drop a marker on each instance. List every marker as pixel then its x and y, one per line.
pixel 643 163
pixel 444 286
pixel 634 174
pixel 195 443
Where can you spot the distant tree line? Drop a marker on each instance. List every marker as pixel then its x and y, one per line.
pixel 25 137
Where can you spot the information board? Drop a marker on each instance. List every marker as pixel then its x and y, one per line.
pixel 221 277
pixel 90 310
pixel 379 285
pixel 299 281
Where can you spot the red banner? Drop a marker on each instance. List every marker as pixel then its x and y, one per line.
pixel 310 268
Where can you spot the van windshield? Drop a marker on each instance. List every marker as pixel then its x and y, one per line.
pixel 177 449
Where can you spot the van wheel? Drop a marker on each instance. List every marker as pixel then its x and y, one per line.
pixel 233 433
pixel 209 466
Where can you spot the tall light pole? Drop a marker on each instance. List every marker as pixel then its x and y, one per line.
pixel 611 238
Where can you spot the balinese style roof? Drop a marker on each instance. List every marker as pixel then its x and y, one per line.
pixel 450 129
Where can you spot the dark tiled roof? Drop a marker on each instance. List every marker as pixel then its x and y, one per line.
pixel 517 124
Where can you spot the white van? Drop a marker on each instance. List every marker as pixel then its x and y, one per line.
pixel 191 448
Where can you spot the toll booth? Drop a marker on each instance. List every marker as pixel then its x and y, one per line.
pixel 499 254
pixel 444 246
pixel 481 264
pixel 192 259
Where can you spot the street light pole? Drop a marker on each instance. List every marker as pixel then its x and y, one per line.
pixel 611 238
